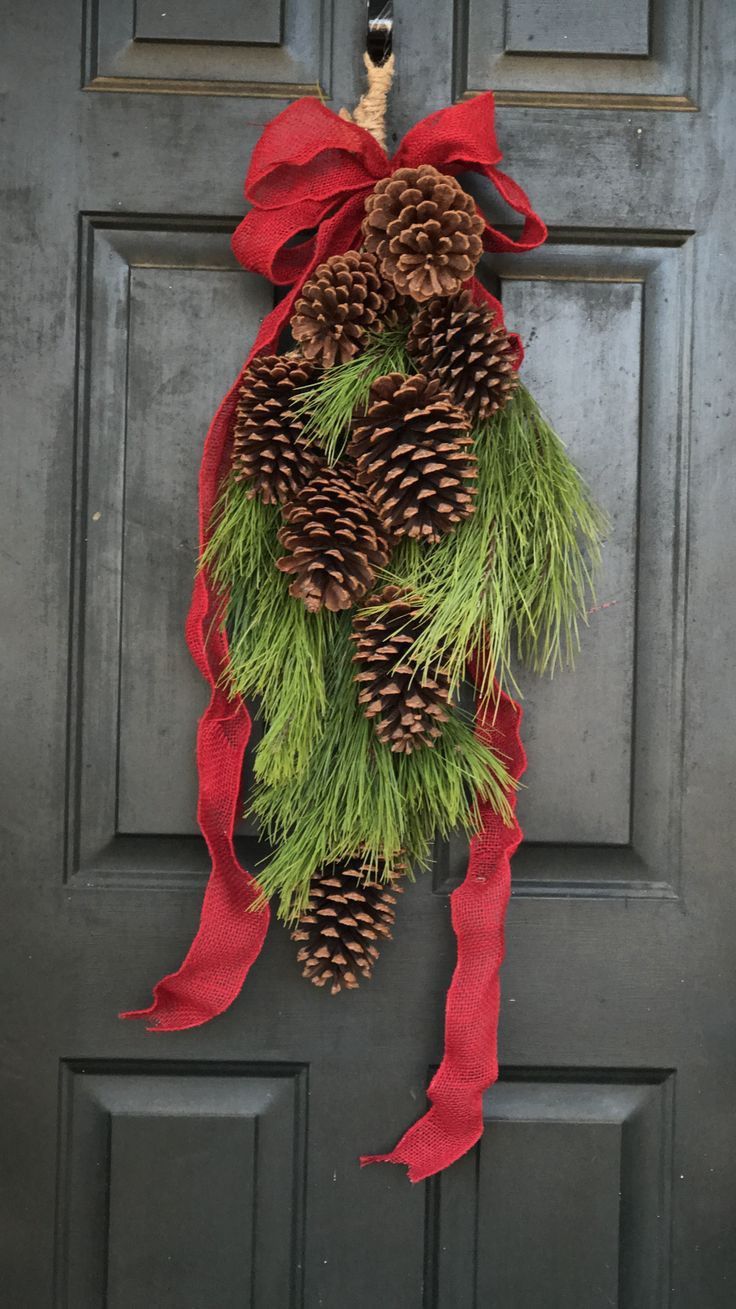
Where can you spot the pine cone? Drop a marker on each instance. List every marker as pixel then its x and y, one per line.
pixel 343 299
pixel 270 450
pixel 414 456
pixel 425 231
pixel 407 705
pixel 349 909
pixel 335 542
pixel 456 341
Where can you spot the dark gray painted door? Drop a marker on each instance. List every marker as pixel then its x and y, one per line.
pixel 217 1167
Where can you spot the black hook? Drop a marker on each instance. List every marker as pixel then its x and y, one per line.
pixel 380 28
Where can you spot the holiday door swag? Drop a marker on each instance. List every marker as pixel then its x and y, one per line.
pixel 383 512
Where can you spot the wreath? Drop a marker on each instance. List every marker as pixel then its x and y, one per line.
pixel 386 516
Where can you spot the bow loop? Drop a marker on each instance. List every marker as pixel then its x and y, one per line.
pixel 462 139
pixel 306 173
pixel 455 140
pixel 310 153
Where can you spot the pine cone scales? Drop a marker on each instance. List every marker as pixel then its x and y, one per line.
pixel 335 542
pixel 349 910
pixel 414 456
pixel 424 230
pixel 408 705
pixel 343 299
pixel 270 450
pixel 456 341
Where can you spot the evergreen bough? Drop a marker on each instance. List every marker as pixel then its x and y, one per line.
pixel 512 581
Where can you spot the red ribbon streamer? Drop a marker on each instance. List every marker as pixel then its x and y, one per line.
pixel 309 176
pixel 454 1122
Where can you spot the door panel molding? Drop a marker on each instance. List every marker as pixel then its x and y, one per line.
pixel 280 48
pixel 184 1165
pixel 642 55
pixel 567 1199
pixel 155 292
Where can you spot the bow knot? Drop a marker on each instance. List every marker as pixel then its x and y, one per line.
pixel 311 172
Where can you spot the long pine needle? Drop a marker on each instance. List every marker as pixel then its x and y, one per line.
pixel 513 582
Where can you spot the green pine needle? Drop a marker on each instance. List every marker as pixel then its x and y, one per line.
pixel 515 577
pixel 355 795
pixel 278 652
pixel 328 404
pixel 242 545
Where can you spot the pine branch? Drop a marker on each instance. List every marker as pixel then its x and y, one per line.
pixel 328 404
pixel 516 577
pixel 356 795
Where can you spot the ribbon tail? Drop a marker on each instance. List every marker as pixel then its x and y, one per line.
pixel 231 932
pixel 454 1123
pixel 534 231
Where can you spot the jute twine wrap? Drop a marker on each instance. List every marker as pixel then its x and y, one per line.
pixel 370 111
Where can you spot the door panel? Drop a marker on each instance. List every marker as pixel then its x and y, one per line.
pixel 641 50
pixel 566 1202
pixel 218 1166
pixel 605 739
pixel 181 1167
pixel 275 48
pixel 133 803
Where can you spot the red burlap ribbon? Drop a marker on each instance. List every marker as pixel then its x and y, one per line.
pixel 454 1122
pixel 308 179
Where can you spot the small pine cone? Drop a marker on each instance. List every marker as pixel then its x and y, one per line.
pixel 456 341
pixel 407 705
pixel 270 450
pixel 414 456
pixel 350 910
pixel 425 231
pixel 335 542
pixel 343 299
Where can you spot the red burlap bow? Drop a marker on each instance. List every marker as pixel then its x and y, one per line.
pixel 307 183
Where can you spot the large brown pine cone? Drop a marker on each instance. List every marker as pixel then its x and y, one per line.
pixel 456 341
pixel 350 910
pixel 414 456
pixel 345 298
pixel 270 450
pixel 335 542
pixel 425 231
pixel 407 704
